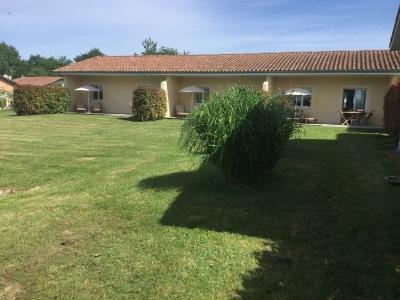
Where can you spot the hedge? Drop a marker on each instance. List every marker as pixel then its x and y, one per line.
pixel 148 104
pixel 33 100
pixel 392 113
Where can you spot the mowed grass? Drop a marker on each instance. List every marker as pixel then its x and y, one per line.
pixel 96 207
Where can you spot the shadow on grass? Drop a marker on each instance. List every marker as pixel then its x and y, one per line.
pixel 335 223
pixel 130 118
pixel 126 119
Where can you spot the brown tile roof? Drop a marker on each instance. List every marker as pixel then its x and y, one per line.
pixel 8 81
pixel 324 61
pixel 38 81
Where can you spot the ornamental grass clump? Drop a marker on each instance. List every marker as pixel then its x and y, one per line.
pixel 242 132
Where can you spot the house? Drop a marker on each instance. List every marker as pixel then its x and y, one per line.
pixel 39 80
pixel 7 86
pixel 334 81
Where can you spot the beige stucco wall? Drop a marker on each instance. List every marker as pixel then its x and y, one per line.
pixel 215 84
pixel 326 101
pixel 117 91
pixel 170 86
pixel 328 93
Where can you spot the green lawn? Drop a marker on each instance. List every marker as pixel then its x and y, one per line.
pixel 100 207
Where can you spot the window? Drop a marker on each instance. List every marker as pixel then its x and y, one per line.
pixel 201 97
pixel 98 95
pixel 302 100
pixel 354 99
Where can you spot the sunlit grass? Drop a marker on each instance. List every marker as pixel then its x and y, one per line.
pixel 101 207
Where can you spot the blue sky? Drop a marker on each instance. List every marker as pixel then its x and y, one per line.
pixel 70 27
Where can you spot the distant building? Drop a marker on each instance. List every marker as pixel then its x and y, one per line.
pixel 39 80
pixel 7 86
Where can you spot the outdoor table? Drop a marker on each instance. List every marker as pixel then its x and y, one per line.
pixel 352 117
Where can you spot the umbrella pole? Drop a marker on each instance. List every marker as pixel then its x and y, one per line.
pixel 88 100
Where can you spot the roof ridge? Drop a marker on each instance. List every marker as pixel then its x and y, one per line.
pixel 246 53
pixel 47 76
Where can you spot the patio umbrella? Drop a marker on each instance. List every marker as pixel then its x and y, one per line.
pixel 88 89
pixel 192 89
pixel 297 92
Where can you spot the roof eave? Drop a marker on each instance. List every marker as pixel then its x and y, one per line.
pixel 10 82
pixel 251 73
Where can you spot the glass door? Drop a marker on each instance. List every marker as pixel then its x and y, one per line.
pixel 359 99
pixel 354 99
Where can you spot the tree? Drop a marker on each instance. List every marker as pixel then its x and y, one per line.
pixel 150 48
pixel 392 113
pixel 168 51
pixel 38 65
pixel 10 61
pixel 89 54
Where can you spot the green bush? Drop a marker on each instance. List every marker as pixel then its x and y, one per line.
pixel 3 99
pixel 3 103
pixel 148 104
pixel 242 132
pixel 33 100
pixel 392 113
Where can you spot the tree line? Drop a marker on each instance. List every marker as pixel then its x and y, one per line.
pixel 13 65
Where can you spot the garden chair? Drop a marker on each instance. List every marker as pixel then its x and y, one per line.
pixel 298 115
pixel 180 111
pixel 301 117
pixel 80 107
pixel 367 117
pixel 309 120
pixel 96 108
pixel 362 119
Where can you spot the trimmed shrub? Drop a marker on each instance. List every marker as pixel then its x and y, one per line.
pixel 392 113
pixel 148 104
pixel 242 132
pixel 33 100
